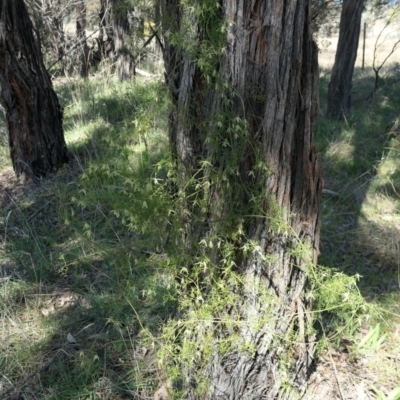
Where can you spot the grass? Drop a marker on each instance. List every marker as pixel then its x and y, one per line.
pixel 82 298
pixel 361 208
pixel 85 285
pixel 360 165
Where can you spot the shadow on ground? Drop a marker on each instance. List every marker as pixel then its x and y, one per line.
pixel 83 288
pixel 360 164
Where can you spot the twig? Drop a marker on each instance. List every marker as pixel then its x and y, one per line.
pixel 158 39
pixel 336 376
pixel 148 40
pixel 331 192
pixel 376 68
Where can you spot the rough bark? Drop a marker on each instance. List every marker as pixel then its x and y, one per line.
pixel 340 85
pixel 33 113
pixel 123 52
pixel 81 36
pixel 267 76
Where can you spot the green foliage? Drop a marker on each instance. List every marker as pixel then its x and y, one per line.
pixel 393 395
pixel 206 17
pixel 372 341
pixel 338 305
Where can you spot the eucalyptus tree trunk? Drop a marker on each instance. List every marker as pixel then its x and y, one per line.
pixel 105 19
pixel 33 113
pixel 81 35
pixel 123 51
pixel 244 84
pixel 58 37
pixel 106 46
pixel 340 84
pixel 48 21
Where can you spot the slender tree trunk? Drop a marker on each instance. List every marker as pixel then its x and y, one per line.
pixel 340 85
pixel 158 22
pixel 81 35
pixel 123 52
pixel 106 46
pixel 52 16
pixel 48 22
pixel 157 13
pixel 33 113
pixel 241 132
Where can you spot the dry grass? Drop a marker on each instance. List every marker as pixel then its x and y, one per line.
pixel 71 271
pixel 328 44
pixel 361 234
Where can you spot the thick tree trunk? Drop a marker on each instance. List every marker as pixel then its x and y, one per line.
pixel 123 52
pixel 241 132
pixel 33 113
pixel 340 85
pixel 81 36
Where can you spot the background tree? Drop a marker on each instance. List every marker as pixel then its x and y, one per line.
pixel 324 16
pixel 340 84
pixel 105 38
pixel 248 187
pixel 32 110
pixel 81 36
pixel 387 13
pixel 121 28
pixel 48 17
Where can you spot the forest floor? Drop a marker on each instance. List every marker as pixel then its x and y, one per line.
pixel 85 287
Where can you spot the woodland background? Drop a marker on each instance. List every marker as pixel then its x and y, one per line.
pixel 87 285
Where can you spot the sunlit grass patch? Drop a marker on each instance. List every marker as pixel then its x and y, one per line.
pixel 24 330
pixel 361 216
pixel 97 228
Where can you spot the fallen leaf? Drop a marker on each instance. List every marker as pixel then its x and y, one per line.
pixel 71 339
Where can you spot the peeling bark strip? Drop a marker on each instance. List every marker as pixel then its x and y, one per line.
pixel 33 113
pixel 340 84
pixel 267 76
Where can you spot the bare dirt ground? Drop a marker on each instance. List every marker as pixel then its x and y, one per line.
pixel 339 377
